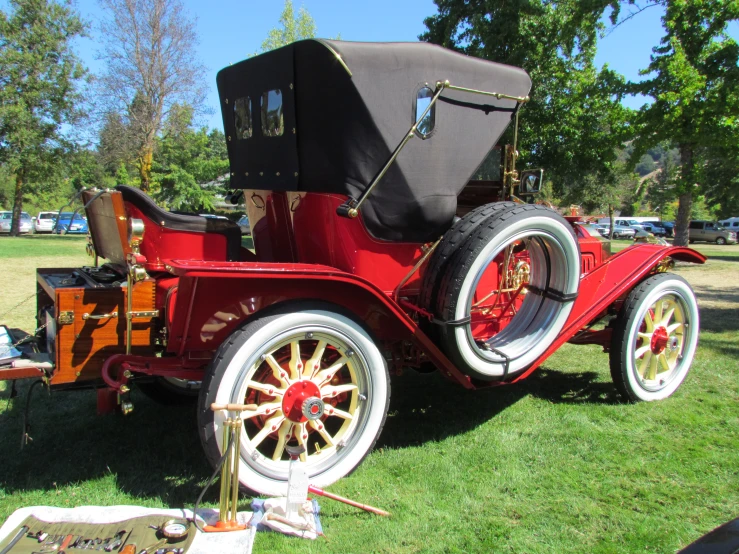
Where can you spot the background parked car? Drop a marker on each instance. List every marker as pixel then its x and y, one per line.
pixel 6 219
pixel 244 224
pixel 710 231
pixel 623 232
pixel 631 223
pixel 44 222
pixel 657 229
pixel 66 225
pixel 731 224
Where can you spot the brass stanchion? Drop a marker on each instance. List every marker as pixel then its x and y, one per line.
pixel 230 471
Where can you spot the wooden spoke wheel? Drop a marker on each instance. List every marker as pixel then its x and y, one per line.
pixel 655 338
pixel 317 379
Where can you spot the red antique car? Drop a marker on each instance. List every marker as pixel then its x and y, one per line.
pixel 378 245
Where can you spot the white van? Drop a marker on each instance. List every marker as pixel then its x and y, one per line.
pixel 731 224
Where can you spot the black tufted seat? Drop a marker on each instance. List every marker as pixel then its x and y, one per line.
pixel 189 223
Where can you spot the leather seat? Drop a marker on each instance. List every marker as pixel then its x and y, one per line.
pixel 188 223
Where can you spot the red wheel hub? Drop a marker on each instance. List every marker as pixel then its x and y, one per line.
pixel 294 397
pixel 659 340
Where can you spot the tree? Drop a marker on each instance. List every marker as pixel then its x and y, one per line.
pixel 187 160
pixel 149 50
pixel 39 80
pixel 693 79
pixel 574 122
pixel 292 28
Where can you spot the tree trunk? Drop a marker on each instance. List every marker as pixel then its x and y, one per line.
pixel 683 219
pixel 685 200
pixel 611 222
pixel 146 156
pixel 15 225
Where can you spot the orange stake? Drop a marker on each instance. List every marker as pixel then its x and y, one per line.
pixel 332 496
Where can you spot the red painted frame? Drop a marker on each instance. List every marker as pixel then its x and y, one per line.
pixel 305 252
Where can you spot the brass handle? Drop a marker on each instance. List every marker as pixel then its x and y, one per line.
pixel 101 316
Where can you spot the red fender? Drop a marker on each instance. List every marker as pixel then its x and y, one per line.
pixel 605 284
pixel 214 297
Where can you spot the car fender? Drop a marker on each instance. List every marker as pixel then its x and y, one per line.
pixel 610 281
pixel 213 298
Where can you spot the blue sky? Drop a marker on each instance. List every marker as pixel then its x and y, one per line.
pixel 231 30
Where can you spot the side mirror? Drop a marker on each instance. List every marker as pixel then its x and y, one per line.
pixel 531 181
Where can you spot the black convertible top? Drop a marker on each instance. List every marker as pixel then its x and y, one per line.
pixel 325 116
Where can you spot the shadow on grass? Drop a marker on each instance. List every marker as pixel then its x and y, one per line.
pixel 153 453
pixel 427 407
pixel 718 319
pixel 724 258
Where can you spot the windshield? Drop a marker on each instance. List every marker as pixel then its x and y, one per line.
pixel 46 215
pixel 6 215
pixel 25 216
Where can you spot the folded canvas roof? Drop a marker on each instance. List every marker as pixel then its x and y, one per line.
pixel 325 116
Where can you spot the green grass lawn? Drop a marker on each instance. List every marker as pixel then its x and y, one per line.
pixel 553 464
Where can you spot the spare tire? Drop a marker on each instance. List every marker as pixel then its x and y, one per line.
pixel 449 244
pixel 492 327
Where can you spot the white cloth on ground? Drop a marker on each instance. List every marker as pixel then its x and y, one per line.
pixel 233 542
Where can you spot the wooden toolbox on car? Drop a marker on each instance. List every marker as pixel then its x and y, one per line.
pixel 84 310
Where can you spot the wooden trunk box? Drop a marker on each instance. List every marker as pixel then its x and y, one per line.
pixel 78 342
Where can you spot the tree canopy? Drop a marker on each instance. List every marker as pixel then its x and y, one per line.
pixel 693 79
pixel 292 27
pixel 40 78
pixel 574 121
pixel 151 66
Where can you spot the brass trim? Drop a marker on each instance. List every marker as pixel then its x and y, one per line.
pixel 498 95
pixel 354 210
pixel 129 309
pixel 336 54
pixel 101 316
pixel 149 313
pixel 352 207
pixel 65 318
pixel 419 263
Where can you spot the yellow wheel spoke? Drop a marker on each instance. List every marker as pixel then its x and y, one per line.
pixel 328 373
pixel 668 315
pixel 664 362
pixel 301 435
pixel 649 322
pixel 321 428
pixel 282 433
pixel 264 409
pixel 641 351
pixel 330 410
pixel 296 363
pixel 644 366
pixel 674 327
pixel 330 392
pixel 266 388
pixel 653 362
pixel 645 336
pixel 279 373
pixel 272 424
pixel 313 365
pixel 659 307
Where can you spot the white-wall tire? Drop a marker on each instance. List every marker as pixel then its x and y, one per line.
pixel 554 267
pixel 655 338
pixel 362 380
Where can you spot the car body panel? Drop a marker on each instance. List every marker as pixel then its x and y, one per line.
pixel 710 231
pixel 65 224
pixel 44 222
pixel 6 219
